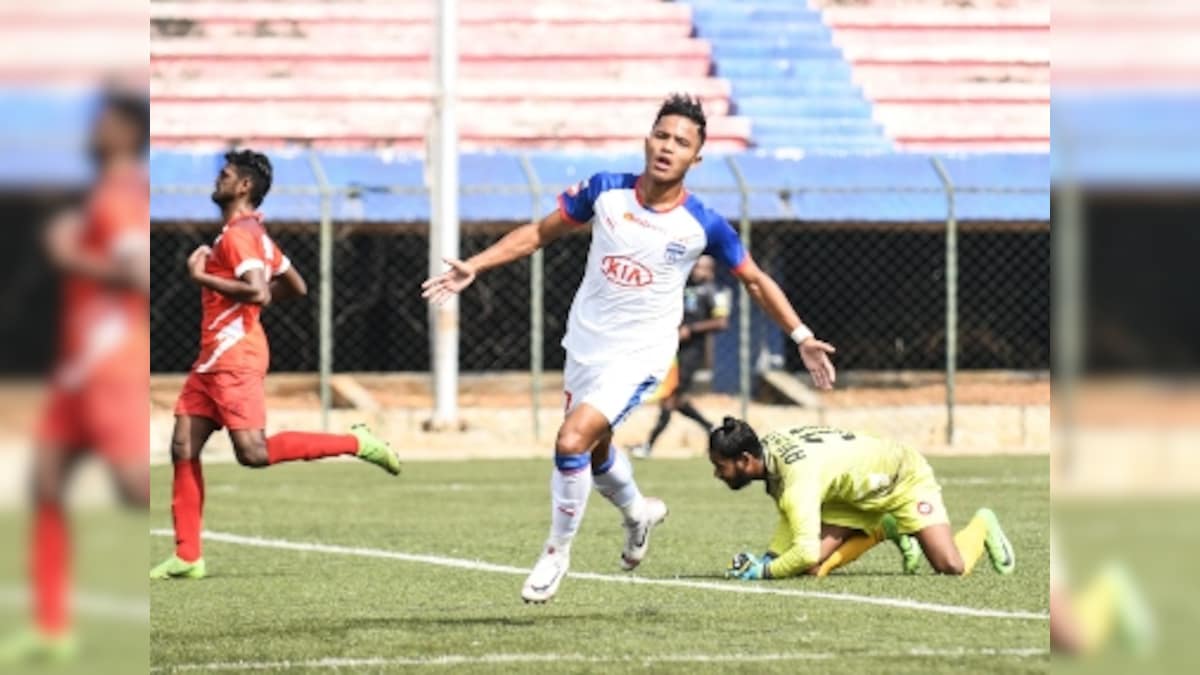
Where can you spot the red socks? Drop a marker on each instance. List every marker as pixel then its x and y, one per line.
pixel 187 505
pixel 290 446
pixel 49 559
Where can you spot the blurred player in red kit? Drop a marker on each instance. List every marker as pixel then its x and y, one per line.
pixel 242 272
pixel 98 399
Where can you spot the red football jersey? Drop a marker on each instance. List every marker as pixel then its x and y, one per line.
pixel 231 337
pixel 105 331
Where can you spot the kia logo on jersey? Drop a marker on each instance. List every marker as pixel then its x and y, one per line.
pixel 625 271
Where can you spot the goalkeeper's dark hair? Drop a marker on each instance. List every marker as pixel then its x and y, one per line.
pixel 732 438
pixel 256 167
pixel 685 106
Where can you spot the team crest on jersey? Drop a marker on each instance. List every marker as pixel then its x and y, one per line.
pixel 675 252
pixel 625 271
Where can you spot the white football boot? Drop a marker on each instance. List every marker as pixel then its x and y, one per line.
pixel 542 583
pixel 637 532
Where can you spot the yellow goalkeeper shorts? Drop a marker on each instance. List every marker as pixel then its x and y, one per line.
pixel 915 502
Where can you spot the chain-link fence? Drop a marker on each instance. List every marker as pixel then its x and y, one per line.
pixel 886 293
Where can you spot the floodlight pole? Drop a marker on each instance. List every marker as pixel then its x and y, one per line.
pixel 444 234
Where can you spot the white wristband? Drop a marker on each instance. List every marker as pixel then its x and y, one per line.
pixel 801 334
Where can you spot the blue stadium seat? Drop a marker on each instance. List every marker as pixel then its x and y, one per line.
pixel 887 187
pixel 375 174
pixel 792 89
pixel 819 48
pixel 1023 170
pixel 502 173
pixel 794 29
pixel 558 171
pixel 788 76
pixel 768 107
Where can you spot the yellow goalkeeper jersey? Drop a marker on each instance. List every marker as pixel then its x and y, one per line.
pixel 810 468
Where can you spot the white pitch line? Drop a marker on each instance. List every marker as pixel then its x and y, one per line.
pixel 94 604
pixel 649 659
pixel 439 488
pixel 734 587
pixel 1031 481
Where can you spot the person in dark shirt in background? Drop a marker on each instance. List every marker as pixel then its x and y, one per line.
pixel 705 310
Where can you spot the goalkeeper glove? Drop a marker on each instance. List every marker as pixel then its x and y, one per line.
pixel 746 567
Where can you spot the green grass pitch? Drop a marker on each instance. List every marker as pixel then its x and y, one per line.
pixel 360 599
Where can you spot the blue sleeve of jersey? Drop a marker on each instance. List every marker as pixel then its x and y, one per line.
pixel 723 241
pixel 577 201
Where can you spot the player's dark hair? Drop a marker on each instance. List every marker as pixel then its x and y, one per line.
pixel 134 108
pixel 256 167
pixel 685 106
pixel 732 438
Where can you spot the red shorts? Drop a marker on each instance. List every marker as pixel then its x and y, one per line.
pixel 233 400
pixel 111 419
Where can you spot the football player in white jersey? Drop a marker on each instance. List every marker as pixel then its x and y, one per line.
pixel 623 329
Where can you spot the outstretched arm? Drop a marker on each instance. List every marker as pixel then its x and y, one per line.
pixel 517 244
pixel 771 298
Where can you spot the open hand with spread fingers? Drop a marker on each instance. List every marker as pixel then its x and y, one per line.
pixel 439 288
pixel 815 354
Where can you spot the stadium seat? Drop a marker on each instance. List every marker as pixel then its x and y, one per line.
pixel 946 76
pixel 326 74
pixel 386 186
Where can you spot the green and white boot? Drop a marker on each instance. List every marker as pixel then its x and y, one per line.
pixel 375 450
pixel 32 647
pixel 1000 550
pixel 178 568
pixel 910 548
pixel 1135 622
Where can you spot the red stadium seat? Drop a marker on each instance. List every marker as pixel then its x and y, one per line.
pixel 538 74
pixel 943 76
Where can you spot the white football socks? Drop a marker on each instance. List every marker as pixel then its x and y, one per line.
pixel 617 485
pixel 568 494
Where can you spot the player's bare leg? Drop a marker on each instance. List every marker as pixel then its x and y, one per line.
pixel 957 554
pixel 133 483
pixel 570 485
pixel 833 537
pixel 841 546
pixel 612 474
pixel 937 541
pixel 1066 634
pixel 254 448
pixel 187 498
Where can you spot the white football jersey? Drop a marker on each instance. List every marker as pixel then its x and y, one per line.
pixel 630 302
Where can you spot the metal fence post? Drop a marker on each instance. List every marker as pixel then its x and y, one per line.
pixel 951 295
pixel 536 299
pixel 743 296
pixel 325 302
pixel 1068 234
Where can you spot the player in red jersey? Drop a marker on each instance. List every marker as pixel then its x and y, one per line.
pixel 241 273
pixel 97 402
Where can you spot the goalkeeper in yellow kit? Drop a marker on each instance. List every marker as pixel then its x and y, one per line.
pixel 839 493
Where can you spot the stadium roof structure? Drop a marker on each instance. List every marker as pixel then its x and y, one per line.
pixel 497 186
